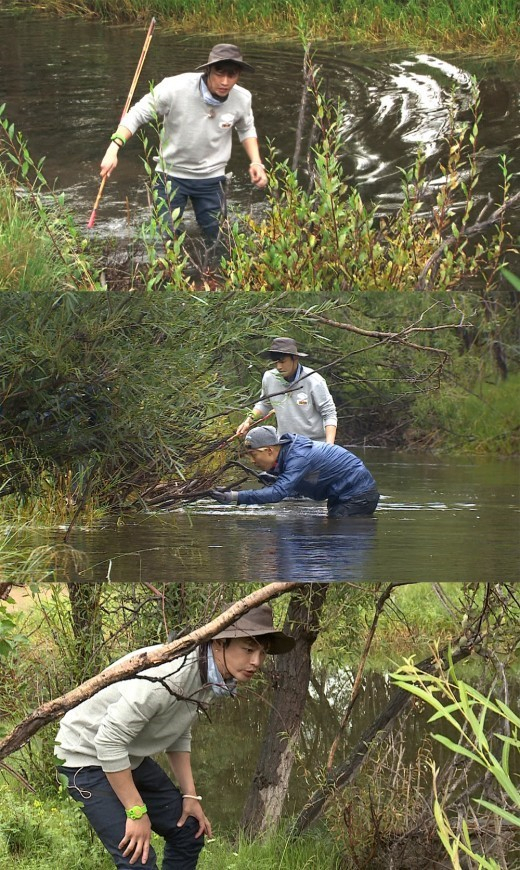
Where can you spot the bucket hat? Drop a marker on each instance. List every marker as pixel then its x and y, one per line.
pixel 283 345
pixel 259 623
pixel 263 436
pixel 225 51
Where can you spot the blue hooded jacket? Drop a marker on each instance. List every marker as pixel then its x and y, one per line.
pixel 313 469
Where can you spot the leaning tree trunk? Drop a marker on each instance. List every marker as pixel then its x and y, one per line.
pixel 264 803
pixel 346 772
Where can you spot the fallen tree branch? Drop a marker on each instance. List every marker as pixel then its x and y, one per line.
pixel 52 710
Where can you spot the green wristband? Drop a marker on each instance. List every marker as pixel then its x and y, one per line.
pixel 137 812
pixel 118 140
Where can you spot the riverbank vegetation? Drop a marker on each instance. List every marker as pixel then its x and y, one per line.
pixel 316 232
pixel 68 632
pixel 120 402
pixel 425 356
pixel 482 26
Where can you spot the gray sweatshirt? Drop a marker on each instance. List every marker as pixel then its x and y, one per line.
pixel 305 406
pixel 132 719
pixel 195 138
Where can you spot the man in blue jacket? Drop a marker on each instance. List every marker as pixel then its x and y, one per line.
pixel 295 465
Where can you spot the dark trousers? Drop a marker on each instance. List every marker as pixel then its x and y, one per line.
pixel 363 504
pixel 105 812
pixel 207 197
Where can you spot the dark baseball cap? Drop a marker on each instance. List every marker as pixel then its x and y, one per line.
pixel 264 436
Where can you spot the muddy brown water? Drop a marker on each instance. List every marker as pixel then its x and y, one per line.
pixel 65 81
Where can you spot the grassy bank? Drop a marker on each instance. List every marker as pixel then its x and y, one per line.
pixel 483 26
pixel 49 833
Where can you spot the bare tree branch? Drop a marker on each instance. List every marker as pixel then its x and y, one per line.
pixel 400 337
pixel 383 598
pixel 400 700
pixel 465 233
pixel 52 710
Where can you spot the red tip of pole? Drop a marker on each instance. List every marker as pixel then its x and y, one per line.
pixel 91 219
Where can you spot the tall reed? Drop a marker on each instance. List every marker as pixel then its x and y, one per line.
pixel 483 24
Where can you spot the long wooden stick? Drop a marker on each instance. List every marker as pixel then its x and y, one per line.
pixel 125 110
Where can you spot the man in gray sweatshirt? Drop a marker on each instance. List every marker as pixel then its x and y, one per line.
pixel 104 744
pixel 298 395
pixel 198 111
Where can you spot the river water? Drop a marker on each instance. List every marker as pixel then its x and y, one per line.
pixel 440 519
pixel 65 83
pixel 225 749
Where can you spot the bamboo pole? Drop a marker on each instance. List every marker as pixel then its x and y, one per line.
pixel 135 79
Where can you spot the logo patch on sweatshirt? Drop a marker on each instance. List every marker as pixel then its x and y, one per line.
pixel 226 121
pixel 301 399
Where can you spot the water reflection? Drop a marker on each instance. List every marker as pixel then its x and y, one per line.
pixel 440 519
pixel 315 549
pixel 220 753
pixel 394 102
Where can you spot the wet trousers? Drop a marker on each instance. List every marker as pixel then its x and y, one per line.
pixel 363 504
pixel 207 197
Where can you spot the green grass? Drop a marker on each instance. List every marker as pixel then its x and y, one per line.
pixel 28 260
pixel 52 834
pixel 485 24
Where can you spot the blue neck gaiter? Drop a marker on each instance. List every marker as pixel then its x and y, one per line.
pixel 219 685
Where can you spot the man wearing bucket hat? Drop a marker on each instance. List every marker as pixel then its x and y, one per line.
pixel 199 111
pixel 298 395
pixel 104 744
pixel 300 466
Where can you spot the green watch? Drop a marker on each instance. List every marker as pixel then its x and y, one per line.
pixel 137 812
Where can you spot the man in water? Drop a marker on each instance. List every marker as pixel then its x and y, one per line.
pixel 104 744
pixel 298 395
pixel 299 466
pixel 199 111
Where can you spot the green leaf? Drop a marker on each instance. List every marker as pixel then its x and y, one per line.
pixel 504 781
pixel 500 811
pixel 504 709
pixel 458 749
pixel 514 280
